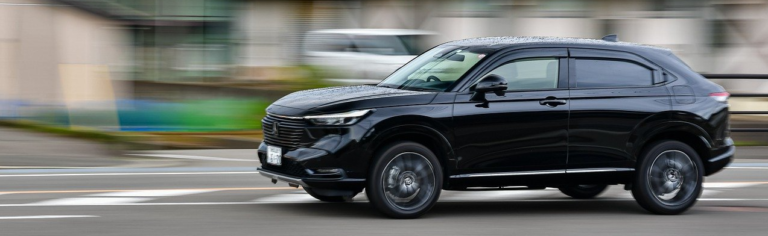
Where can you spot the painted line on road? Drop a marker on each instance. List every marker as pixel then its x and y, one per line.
pixel 746 168
pixel 45 217
pixel 137 190
pixel 128 170
pixel 169 191
pixel 191 157
pixel 128 174
pixel 88 201
pixel 731 184
pixel 153 193
pixel 319 202
pixel 748 164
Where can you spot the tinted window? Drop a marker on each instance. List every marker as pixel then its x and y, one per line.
pixel 607 73
pixel 530 74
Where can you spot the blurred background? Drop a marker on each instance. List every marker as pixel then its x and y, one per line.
pixel 199 73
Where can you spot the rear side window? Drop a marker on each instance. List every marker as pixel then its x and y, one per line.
pixel 591 73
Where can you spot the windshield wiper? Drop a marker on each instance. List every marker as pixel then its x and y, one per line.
pixel 419 89
pixel 388 86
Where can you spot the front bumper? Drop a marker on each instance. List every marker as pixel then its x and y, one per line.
pixel 299 168
pixel 355 185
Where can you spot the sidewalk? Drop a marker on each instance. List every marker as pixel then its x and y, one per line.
pixel 20 148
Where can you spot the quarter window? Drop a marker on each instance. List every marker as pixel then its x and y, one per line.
pixel 610 73
pixel 530 74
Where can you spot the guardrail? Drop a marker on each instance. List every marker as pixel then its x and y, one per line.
pixel 743 95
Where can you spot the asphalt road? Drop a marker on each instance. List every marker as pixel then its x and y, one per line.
pixel 219 193
pixel 55 189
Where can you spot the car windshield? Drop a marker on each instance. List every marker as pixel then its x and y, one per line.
pixel 435 70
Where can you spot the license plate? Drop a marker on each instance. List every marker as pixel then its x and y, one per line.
pixel 274 155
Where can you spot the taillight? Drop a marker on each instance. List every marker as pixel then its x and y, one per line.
pixel 720 97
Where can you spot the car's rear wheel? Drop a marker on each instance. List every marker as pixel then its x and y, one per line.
pixel 405 181
pixel 583 191
pixel 326 198
pixel 669 178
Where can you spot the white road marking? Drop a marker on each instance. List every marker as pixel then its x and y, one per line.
pixel 152 193
pixel 120 174
pixel 45 217
pixel 91 201
pixel 729 184
pixel 747 167
pixel 319 202
pixel 496 195
pixel 204 158
pixel 287 198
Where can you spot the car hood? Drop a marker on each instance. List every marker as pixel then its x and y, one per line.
pixel 345 98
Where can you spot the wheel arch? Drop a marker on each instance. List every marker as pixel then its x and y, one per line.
pixel 681 131
pixel 420 130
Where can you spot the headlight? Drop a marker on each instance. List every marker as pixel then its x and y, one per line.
pixel 346 118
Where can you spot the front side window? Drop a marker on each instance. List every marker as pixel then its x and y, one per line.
pixel 591 73
pixel 530 74
pixel 435 70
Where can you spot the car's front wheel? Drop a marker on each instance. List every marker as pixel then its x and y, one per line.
pixel 669 178
pixel 405 181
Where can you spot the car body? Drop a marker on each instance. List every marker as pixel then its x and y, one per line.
pixel 342 51
pixel 533 112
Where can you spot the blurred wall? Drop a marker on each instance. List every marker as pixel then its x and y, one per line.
pixel 713 36
pixel 56 55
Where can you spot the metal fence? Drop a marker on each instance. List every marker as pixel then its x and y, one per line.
pixel 743 95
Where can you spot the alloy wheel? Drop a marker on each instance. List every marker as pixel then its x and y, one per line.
pixel 408 181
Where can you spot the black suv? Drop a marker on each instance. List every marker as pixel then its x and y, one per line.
pixel 507 113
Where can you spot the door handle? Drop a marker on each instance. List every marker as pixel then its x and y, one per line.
pixel 552 102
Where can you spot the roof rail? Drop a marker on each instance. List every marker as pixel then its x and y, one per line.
pixel 611 38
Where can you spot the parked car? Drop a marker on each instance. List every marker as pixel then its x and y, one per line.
pixel 362 55
pixel 507 113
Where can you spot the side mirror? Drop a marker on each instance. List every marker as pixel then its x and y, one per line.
pixel 490 83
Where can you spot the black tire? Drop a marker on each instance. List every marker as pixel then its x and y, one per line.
pixel 405 181
pixel 329 198
pixel 583 191
pixel 669 178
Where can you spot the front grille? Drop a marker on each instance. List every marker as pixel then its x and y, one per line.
pixel 289 135
pixel 287 166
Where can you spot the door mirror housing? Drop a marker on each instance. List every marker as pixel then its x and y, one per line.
pixel 489 83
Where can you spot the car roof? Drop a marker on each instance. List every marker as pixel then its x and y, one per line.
pixel 374 31
pixel 503 42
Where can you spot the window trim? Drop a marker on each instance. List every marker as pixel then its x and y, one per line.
pixel 561 53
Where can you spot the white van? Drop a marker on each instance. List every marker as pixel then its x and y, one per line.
pixel 362 55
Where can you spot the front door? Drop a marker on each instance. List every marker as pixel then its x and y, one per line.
pixel 524 132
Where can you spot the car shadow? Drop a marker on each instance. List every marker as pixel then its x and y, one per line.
pixel 468 208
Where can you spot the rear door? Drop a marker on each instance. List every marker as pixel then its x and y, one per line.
pixel 612 95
